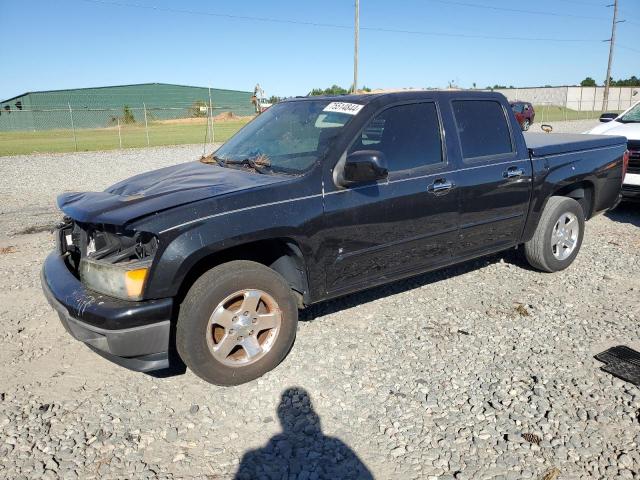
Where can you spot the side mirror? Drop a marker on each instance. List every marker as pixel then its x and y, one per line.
pixel 363 166
pixel 607 117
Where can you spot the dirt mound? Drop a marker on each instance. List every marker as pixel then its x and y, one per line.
pixel 220 118
pixel 231 117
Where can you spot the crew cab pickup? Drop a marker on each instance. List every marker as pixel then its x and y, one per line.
pixel 316 198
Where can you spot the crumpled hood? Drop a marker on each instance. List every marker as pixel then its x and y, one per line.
pixel 629 130
pixel 159 190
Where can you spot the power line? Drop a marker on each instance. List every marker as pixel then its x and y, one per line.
pixel 515 10
pixel 483 37
pixel 338 26
pixel 212 14
pixel 577 2
pixel 628 48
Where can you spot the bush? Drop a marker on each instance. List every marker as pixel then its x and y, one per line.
pixel 196 109
pixel 127 115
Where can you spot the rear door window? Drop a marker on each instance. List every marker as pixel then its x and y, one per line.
pixel 408 135
pixel 483 128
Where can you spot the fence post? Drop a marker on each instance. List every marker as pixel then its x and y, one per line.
pixel 579 109
pixel 146 126
pixel 73 128
pixel 619 95
pixel 213 135
pixel 119 135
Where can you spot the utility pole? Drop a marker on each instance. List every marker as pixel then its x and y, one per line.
pixel 612 41
pixel 355 53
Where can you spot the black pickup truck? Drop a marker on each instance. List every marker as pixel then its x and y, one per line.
pixel 316 198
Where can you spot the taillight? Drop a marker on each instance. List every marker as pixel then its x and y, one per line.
pixel 625 163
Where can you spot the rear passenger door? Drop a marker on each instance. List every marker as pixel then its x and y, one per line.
pixel 407 223
pixel 495 181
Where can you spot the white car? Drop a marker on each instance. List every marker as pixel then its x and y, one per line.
pixel 627 124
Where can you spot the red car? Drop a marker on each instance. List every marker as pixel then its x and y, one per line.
pixel 524 114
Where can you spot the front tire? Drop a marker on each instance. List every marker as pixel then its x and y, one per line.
pixel 525 125
pixel 237 322
pixel 558 236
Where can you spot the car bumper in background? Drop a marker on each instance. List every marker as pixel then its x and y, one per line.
pixel 134 335
pixel 631 187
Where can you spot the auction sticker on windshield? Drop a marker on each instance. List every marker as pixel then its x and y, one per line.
pixel 343 107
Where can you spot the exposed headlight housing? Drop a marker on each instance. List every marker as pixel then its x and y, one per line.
pixel 120 280
pixel 107 259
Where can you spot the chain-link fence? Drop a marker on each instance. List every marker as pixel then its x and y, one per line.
pixel 550 112
pixel 81 129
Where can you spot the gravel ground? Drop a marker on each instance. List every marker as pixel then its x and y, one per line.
pixel 418 379
pixel 573 126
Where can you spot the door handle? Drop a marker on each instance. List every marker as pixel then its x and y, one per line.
pixel 513 172
pixel 440 186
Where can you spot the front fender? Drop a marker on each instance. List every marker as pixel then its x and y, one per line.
pixel 187 246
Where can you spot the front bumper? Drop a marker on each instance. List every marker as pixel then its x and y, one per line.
pixel 631 186
pixel 631 193
pixel 134 335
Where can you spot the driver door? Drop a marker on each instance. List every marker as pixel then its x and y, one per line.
pixel 376 232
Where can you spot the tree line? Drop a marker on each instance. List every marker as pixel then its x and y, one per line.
pixel 632 81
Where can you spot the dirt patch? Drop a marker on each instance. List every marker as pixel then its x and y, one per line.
pixel 183 121
pixel 220 118
pixel 37 229
pixel 7 250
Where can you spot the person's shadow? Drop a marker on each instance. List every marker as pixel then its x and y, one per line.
pixel 301 451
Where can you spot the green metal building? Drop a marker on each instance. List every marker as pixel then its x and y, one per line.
pixel 105 106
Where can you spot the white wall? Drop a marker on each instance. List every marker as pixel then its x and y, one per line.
pixel 576 98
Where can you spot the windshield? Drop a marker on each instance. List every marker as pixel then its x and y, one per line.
pixel 288 138
pixel 632 116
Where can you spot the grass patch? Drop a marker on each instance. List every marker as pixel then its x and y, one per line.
pixel 131 136
pixel 554 113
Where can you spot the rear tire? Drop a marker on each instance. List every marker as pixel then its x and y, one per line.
pixel 237 322
pixel 525 125
pixel 558 236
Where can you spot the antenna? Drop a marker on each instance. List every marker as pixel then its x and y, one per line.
pixel 355 53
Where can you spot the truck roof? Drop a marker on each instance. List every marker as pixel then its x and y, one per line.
pixel 365 98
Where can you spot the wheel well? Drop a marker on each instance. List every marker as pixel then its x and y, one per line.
pixel 281 254
pixel 581 192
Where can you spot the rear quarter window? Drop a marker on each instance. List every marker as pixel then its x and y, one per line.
pixel 483 128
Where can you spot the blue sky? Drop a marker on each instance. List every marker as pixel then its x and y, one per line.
pixel 80 43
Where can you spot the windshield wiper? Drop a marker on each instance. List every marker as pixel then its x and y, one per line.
pixel 261 165
pixel 211 159
pixel 219 160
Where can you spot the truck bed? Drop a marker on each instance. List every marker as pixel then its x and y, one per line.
pixel 546 144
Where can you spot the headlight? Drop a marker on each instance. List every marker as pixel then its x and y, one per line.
pixel 124 281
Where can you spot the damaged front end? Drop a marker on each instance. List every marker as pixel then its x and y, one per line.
pixel 108 259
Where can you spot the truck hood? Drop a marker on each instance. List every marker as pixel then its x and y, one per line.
pixel 629 130
pixel 159 190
